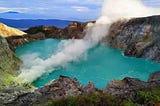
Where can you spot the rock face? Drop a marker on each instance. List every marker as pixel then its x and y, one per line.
pixel 15 41
pixel 7 31
pixel 8 61
pixel 137 37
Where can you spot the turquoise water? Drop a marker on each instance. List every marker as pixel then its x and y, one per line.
pixel 101 64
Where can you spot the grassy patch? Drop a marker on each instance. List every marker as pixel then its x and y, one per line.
pixel 93 99
pixel 150 96
pixel 5 78
pixel 147 97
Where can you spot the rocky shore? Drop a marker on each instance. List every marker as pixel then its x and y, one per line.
pixel 136 37
pixel 64 87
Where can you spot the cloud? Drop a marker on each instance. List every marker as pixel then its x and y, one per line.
pixel 61 9
pixel 73 1
pixel 152 3
pixel 18 9
pixel 81 9
pixel 57 9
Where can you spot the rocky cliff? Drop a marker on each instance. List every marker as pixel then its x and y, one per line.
pixel 9 63
pixel 7 31
pixel 137 37
pixel 9 66
pixel 73 30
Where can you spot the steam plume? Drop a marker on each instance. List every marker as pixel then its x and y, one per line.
pixel 117 9
pixel 72 50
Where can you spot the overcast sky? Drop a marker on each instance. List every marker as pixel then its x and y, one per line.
pixel 60 9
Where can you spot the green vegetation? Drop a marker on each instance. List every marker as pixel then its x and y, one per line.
pixel 5 78
pixel 150 96
pixel 148 36
pixel 130 103
pixel 92 99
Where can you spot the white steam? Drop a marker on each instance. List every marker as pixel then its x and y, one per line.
pixel 117 9
pixel 72 50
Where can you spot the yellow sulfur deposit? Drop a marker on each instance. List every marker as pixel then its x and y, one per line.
pixel 7 31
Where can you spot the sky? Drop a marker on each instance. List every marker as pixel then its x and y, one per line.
pixel 60 9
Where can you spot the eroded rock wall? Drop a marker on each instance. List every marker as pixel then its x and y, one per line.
pixel 138 37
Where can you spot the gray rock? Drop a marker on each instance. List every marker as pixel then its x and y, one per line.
pixel 154 77
pixel 59 88
pixel 127 87
pixel 124 88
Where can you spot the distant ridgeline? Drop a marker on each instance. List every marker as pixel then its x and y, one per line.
pixel 26 23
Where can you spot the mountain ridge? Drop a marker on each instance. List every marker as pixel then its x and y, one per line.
pixel 27 23
pixel 11 12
